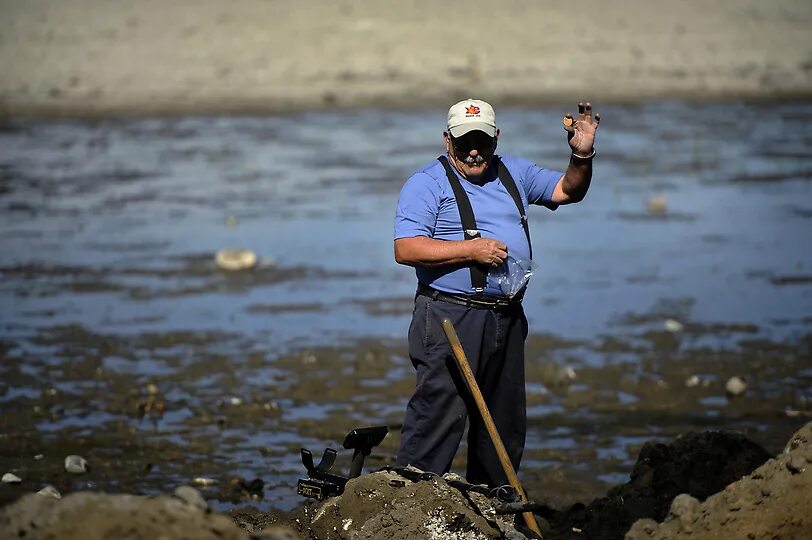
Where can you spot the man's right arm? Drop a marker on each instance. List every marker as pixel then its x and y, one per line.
pixel 428 252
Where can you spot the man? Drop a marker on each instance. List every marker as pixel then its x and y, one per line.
pixel 461 222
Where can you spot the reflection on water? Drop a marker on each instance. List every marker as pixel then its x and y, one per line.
pixel 690 256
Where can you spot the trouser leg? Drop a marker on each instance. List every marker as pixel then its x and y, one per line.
pixel 501 380
pixel 436 413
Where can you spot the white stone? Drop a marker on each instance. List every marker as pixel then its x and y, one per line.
pixel 201 481
pixel 673 326
pixel 236 259
pixel 50 491
pixel 735 386
pixel 692 381
pixel 75 464
pixel 10 478
pixel 191 496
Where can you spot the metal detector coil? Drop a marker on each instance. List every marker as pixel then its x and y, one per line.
pixel 320 482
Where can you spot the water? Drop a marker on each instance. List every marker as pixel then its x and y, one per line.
pixel 107 283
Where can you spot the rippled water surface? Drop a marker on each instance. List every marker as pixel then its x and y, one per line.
pixel 108 284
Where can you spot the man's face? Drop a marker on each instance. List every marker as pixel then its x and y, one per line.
pixel 471 152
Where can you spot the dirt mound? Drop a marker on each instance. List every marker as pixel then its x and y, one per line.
pixel 775 501
pixel 384 504
pixel 97 516
pixel 699 464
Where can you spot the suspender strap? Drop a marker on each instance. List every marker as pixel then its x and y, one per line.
pixel 478 274
pixel 510 186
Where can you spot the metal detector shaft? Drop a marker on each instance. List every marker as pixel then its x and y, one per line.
pixel 473 387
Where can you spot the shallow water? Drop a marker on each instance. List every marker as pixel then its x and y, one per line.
pixel 108 231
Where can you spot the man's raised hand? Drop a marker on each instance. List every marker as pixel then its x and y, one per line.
pixel 581 130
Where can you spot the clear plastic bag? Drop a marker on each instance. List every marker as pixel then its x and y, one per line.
pixel 512 275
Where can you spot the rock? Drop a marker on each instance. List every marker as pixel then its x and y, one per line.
pixel 50 491
pixel 191 496
pixel 684 508
pixel 801 440
pixel 202 481
pixel 98 516
pixel 275 533
pixel 692 381
pixel 76 464
pixel 735 386
pixel 555 375
pixel 643 529
pixel 236 259
pixel 10 478
pixel 657 205
pixel 673 326
pixel 796 464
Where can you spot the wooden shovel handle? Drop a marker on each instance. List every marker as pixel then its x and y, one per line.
pixel 473 387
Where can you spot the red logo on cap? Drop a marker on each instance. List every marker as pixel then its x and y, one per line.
pixel 472 109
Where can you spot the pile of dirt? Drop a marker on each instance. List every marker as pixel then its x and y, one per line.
pixel 699 464
pixel 775 501
pixel 385 505
pixel 98 516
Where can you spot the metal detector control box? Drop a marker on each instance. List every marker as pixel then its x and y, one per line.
pixel 320 482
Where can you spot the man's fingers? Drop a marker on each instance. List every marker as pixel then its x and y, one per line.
pixel 581 108
pixel 597 118
pixel 588 109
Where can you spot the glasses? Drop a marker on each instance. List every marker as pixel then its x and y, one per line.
pixel 473 140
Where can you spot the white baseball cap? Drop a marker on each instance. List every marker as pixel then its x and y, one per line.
pixel 471 114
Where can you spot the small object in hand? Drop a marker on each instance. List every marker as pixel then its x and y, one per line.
pixel 567 121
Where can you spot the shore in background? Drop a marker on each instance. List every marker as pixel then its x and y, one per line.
pixel 96 58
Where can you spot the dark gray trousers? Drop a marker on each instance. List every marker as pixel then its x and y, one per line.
pixel 493 341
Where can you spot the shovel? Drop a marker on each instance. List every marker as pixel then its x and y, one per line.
pixel 473 387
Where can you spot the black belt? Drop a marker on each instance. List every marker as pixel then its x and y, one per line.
pixel 481 301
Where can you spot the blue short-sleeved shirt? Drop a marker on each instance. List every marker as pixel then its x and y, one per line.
pixel 427 207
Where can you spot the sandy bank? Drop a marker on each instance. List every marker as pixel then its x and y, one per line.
pixel 96 57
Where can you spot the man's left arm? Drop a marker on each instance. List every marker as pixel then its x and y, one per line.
pixel 574 183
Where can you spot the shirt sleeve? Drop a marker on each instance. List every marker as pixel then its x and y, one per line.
pixel 539 183
pixel 418 206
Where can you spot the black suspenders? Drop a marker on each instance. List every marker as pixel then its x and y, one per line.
pixel 479 273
